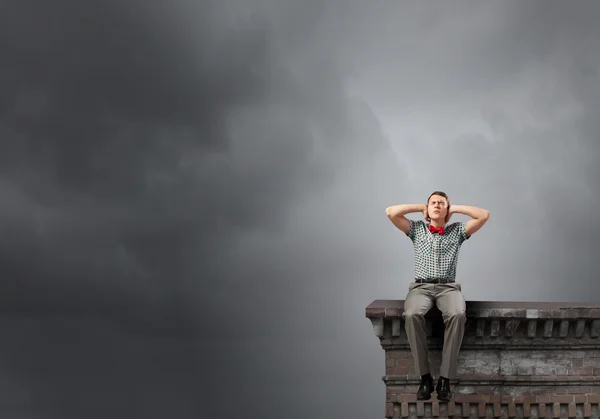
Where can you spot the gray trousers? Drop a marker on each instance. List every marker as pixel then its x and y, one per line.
pixel 450 301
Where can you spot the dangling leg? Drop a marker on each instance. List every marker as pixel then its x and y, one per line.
pixel 418 302
pixel 452 304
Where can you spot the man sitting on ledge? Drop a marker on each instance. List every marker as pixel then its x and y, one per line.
pixel 436 249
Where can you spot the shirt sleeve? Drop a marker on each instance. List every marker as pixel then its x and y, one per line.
pixel 414 225
pixel 462 232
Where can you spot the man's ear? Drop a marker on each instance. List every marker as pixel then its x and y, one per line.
pixel 448 215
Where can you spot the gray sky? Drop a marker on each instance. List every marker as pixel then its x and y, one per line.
pixel 193 195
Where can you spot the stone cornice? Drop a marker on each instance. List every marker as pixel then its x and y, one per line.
pixel 498 310
pixel 503 380
pixel 520 325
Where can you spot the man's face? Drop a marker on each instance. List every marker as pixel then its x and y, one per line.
pixel 437 208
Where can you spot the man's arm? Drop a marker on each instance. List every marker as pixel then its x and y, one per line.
pixel 479 217
pixel 396 214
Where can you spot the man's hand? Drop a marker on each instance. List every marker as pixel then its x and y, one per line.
pixel 450 212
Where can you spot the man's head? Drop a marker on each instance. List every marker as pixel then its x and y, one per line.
pixel 438 206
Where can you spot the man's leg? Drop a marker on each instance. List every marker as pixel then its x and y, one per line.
pixel 451 303
pixel 417 303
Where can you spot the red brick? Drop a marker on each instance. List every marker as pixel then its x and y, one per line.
pixel 579 390
pixel 420 409
pixel 390 363
pixel 556 410
pixel 389 410
pixel 542 410
pixel 408 398
pixel 489 390
pixel 577 363
pixel 506 399
pixel 582 371
pixel 404 410
pixel 398 371
pixel 512 410
pixel 466 410
pixel 495 398
pixel 400 389
pixel 481 410
pixel 525 399
pixel 451 409
pixel 593 398
pixel 543 399
pixel 572 410
pixel 562 399
pixel 497 409
pixel 587 410
pixel 526 410
pixel 405 363
pixel 472 398
pixel 394 354
pixel 435 409
pixel 580 398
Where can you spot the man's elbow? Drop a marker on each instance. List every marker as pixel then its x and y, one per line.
pixel 484 217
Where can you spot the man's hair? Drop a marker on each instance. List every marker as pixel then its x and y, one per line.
pixel 440 193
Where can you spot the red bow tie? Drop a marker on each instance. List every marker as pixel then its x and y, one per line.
pixel 439 230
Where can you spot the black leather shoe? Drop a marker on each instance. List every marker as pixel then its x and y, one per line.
pixel 425 389
pixel 443 390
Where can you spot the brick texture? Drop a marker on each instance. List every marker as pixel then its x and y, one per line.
pixel 518 360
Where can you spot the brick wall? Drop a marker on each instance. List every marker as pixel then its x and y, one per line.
pixel 518 360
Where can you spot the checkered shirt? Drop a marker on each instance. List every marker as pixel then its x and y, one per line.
pixel 436 256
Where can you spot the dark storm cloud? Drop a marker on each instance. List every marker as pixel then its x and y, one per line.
pixel 151 171
pixel 193 194
pixel 115 136
pixel 101 221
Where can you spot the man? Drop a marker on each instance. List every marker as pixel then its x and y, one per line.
pixel 436 248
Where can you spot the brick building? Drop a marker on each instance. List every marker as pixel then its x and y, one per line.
pixel 518 360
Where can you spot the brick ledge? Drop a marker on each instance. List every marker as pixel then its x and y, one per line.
pixel 494 324
pixel 498 309
pixel 486 410
pixel 518 380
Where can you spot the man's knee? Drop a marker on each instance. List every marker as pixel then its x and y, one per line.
pixel 410 315
pixel 456 315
